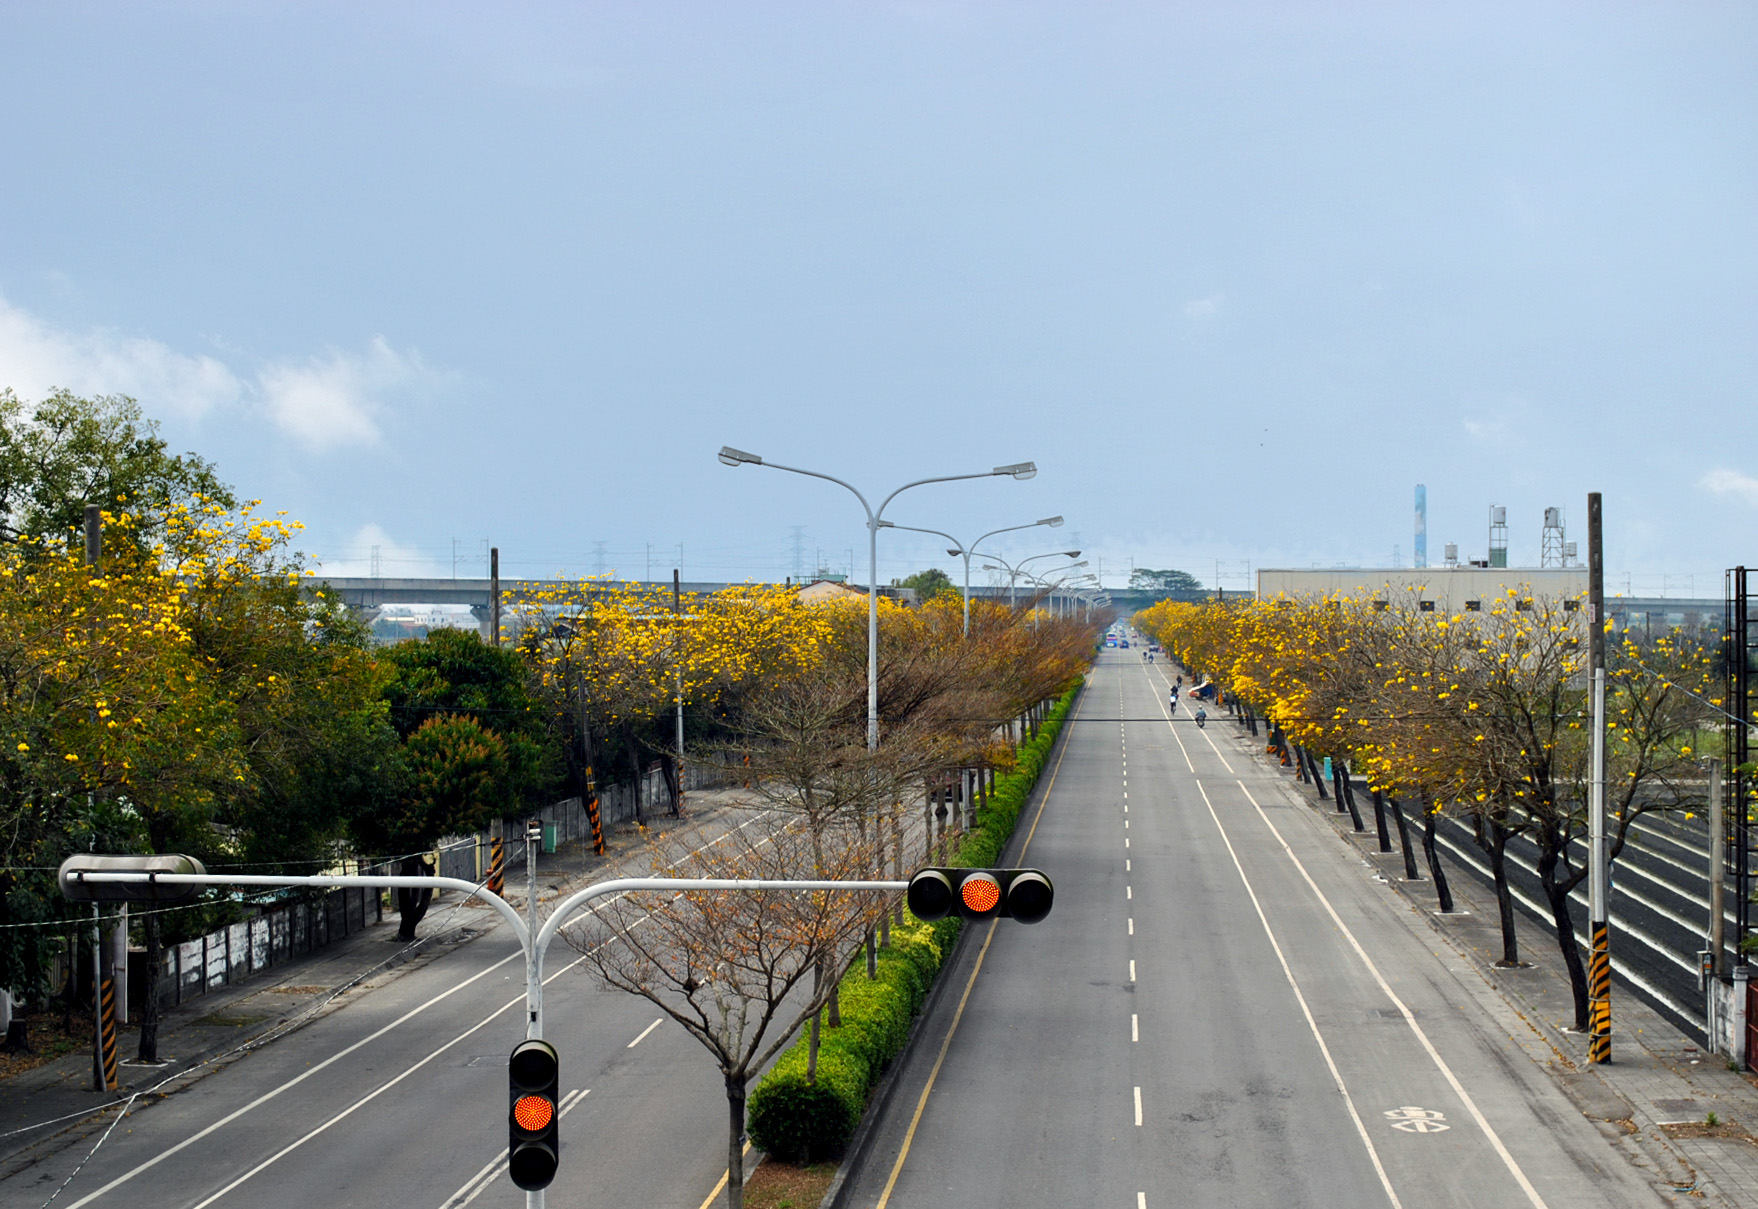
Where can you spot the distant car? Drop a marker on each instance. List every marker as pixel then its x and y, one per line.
pixel 1123 644
pixel 1155 648
pixel 1110 642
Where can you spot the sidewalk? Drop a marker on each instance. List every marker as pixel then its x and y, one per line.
pixel 1652 1100
pixel 210 1031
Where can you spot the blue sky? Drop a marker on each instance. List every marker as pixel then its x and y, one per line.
pixel 1237 276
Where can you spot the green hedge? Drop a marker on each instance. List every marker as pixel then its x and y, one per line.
pixel 796 1120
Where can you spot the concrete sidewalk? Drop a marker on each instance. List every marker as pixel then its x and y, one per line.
pixel 53 1105
pixel 1652 1100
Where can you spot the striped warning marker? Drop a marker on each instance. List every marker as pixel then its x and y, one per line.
pixel 107 1032
pixel 497 867
pixel 1599 994
pixel 592 812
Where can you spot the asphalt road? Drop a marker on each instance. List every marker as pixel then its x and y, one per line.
pixel 1225 1008
pixel 399 1099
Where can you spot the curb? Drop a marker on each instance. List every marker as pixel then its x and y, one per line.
pixel 861 1144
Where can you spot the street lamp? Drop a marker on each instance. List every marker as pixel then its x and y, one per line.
pixel 1017 470
pixel 964 550
pixel 1012 569
pixel 1050 586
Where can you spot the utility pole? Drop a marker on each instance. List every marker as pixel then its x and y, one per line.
pixel 678 672
pixel 1598 852
pixel 103 1024
pixel 494 594
pixel 1717 875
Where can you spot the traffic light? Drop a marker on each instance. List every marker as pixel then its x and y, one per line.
pixel 73 883
pixel 1022 894
pixel 534 1143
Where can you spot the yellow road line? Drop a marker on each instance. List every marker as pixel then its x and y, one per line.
pixel 909 1136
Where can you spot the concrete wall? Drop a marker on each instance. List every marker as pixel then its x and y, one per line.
pixel 1449 587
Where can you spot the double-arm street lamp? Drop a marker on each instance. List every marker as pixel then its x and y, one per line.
pixel 1014 570
pixel 738 457
pixel 963 550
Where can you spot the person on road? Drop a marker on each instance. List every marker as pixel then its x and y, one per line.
pixel 1175 698
pixel 1202 715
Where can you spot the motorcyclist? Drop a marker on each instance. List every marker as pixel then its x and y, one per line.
pixel 1202 715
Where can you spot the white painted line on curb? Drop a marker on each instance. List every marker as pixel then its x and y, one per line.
pixel 644 1032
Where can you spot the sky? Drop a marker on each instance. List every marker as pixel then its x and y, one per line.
pixel 1235 276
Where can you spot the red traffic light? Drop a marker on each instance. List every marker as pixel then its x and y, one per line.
pixel 1022 894
pixel 533 1140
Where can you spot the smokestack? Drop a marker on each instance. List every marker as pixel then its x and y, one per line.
pixel 1421 556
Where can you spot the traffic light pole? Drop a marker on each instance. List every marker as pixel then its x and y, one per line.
pixel 111 884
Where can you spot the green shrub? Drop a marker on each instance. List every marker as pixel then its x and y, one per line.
pixel 799 1121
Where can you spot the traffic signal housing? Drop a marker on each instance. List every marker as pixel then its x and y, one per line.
pixel 976 894
pixel 534 1144
pixel 74 886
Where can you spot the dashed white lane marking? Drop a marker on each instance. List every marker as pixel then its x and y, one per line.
pixel 1138 1108
pixel 1132 927
pixel 1129 892
pixel 1495 1140
pixel 644 1032
pixel 1288 973
pixel 1132 969
pixel 1126 824
pixel 1134 1027
pixel 1141 1200
pixel 1126 867
pixel 1126 841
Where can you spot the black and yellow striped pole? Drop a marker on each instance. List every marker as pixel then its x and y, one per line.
pixel 1598 853
pixel 592 812
pixel 497 866
pixel 107 1030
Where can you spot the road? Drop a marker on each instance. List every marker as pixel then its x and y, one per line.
pixel 1226 1008
pixel 399 1099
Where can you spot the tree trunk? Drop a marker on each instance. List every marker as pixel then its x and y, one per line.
pixel 672 773
pixel 1442 892
pixel 149 1008
pixel 1318 774
pixel 1379 821
pixel 1493 839
pixel 1346 793
pixel 634 754
pixel 1410 872
pixel 412 904
pixel 812 1048
pixel 735 1141
pixel 1557 894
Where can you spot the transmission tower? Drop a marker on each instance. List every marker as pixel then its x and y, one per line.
pixel 799 532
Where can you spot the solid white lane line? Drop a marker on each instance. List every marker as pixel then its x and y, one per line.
pixel 378 1091
pixel 1175 738
pixel 1138 1108
pixel 1132 969
pixel 126 1176
pixel 1204 733
pixel 1132 927
pixel 1489 1132
pixel 1305 1010
pixel 479 1183
pixel 644 1032
pixel 1134 1027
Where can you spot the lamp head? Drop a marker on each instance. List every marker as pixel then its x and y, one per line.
pixel 1055 522
pixel 956 553
pixel 735 457
pixel 1073 554
pixel 1019 470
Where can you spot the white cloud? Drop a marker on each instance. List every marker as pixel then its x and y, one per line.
pixel 334 400
pixel 35 359
pixel 1732 482
pixel 395 561
pixel 323 402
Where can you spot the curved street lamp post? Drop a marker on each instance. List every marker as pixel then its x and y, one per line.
pixel 964 551
pixel 1017 470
